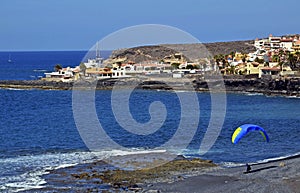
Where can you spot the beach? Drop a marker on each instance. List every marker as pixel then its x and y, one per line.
pixel 278 176
pixel 179 175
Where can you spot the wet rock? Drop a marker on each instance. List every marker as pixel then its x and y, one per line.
pixel 268 86
pixel 152 191
pixel 134 188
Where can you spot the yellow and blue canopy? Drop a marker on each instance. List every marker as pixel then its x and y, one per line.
pixel 242 130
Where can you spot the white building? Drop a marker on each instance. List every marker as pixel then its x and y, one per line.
pixel 273 43
pixel 63 74
pixel 260 43
pixel 93 63
pixel 287 44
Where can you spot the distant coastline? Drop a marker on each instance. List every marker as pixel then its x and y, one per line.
pixel 238 84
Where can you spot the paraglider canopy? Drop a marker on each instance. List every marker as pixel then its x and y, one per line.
pixel 242 130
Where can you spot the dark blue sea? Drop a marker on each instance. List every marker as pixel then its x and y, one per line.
pixel 38 131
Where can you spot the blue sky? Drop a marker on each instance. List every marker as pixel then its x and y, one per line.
pixel 78 24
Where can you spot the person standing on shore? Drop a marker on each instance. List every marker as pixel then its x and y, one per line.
pixel 248 168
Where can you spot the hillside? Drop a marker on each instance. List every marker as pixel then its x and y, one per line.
pixel 191 51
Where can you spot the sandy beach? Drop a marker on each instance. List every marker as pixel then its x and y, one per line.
pixel 278 176
pixel 179 175
pixel 282 176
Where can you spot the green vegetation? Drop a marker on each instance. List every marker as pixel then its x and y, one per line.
pixel 82 67
pixel 294 60
pixel 57 67
pixel 175 65
pixel 258 60
pixel 190 66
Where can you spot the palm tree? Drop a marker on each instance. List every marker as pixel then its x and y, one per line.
pixel 190 66
pixel 82 67
pixel 220 58
pixel 231 69
pixel 281 52
pixel 225 63
pixel 216 57
pixel 175 65
pixel 297 54
pixel 232 54
pixel 275 58
pixel 292 59
pixel 57 67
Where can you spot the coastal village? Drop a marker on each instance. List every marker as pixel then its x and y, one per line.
pixel 274 56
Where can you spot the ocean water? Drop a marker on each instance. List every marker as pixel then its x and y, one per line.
pixel 38 132
pixel 33 65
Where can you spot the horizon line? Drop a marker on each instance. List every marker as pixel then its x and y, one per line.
pixel 206 42
pixel 83 50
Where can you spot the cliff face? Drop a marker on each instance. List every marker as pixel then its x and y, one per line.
pixel 190 51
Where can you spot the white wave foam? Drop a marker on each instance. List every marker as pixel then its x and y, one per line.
pixel 134 151
pixel 293 97
pixel 39 165
pixel 182 91
pixel 253 94
pixel 33 181
pixel 268 160
pixel 278 158
pixel 14 89
pixel 284 96
pixel 231 164
pixel 40 70
pixel 63 166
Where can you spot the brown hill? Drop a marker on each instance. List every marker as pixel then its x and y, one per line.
pixel 191 51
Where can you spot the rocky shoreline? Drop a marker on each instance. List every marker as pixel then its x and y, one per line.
pixel 279 86
pixel 180 175
pixel 101 176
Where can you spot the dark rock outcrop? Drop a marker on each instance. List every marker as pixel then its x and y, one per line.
pixel 280 86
